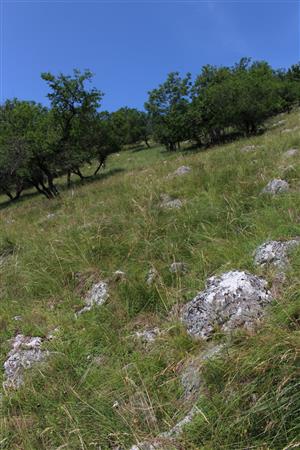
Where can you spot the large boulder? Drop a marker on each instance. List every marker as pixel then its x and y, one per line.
pixel 276 186
pixel 231 300
pixel 275 253
pixel 25 353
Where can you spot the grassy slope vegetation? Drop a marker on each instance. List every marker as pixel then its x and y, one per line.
pixel 115 222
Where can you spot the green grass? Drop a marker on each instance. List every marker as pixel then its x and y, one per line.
pixel 114 222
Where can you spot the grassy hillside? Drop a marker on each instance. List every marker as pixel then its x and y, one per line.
pixel 102 387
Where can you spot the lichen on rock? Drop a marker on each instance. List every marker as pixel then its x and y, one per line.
pixel 231 300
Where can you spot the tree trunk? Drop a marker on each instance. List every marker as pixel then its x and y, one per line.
pixel 69 178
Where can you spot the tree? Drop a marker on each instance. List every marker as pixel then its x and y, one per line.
pixel 74 109
pixel 131 126
pixel 168 107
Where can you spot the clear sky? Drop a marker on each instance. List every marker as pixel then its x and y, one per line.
pixel 130 46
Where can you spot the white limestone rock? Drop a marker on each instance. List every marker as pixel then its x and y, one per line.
pixel 276 186
pixel 275 253
pixel 26 352
pixel 231 300
pixel 96 296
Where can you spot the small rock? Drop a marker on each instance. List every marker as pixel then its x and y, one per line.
pixel 178 267
pixel 169 202
pixel 290 130
pixel 50 215
pixel 17 318
pixel 148 335
pixel 26 352
pixel 119 275
pixel 53 334
pixel 275 253
pixel 277 124
pixel 182 170
pixel 276 186
pixel 231 300
pixel 248 148
pixel 291 152
pixel 96 296
pixel 152 276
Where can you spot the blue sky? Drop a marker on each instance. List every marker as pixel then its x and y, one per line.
pixel 132 45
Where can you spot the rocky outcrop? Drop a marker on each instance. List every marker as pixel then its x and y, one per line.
pixel 275 253
pixel 96 296
pixel 26 352
pixel 276 186
pixel 231 300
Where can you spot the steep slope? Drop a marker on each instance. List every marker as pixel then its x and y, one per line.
pixel 103 385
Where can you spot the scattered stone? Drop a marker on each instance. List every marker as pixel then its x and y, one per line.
pixel 291 152
pixel 50 215
pixel 26 352
pixel 183 170
pixel 248 148
pixel 290 130
pixel 276 186
pixel 96 296
pixel 53 334
pixel 119 275
pixel 231 300
pixel 178 267
pixel 148 335
pixel 277 124
pixel 275 253
pixel 17 318
pixel 152 276
pixel 169 202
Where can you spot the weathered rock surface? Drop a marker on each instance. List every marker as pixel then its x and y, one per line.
pixel 276 186
pixel 25 353
pixel 178 267
pixel 191 375
pixel 168 202
pixel 182 170
pixel 231 300
pixel 178 428
pixel 96 296
pixel 275 253
pixel 291 152
pixel 191 380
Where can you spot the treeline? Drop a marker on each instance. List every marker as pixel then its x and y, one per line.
pixel 39 144
pixel 221 102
